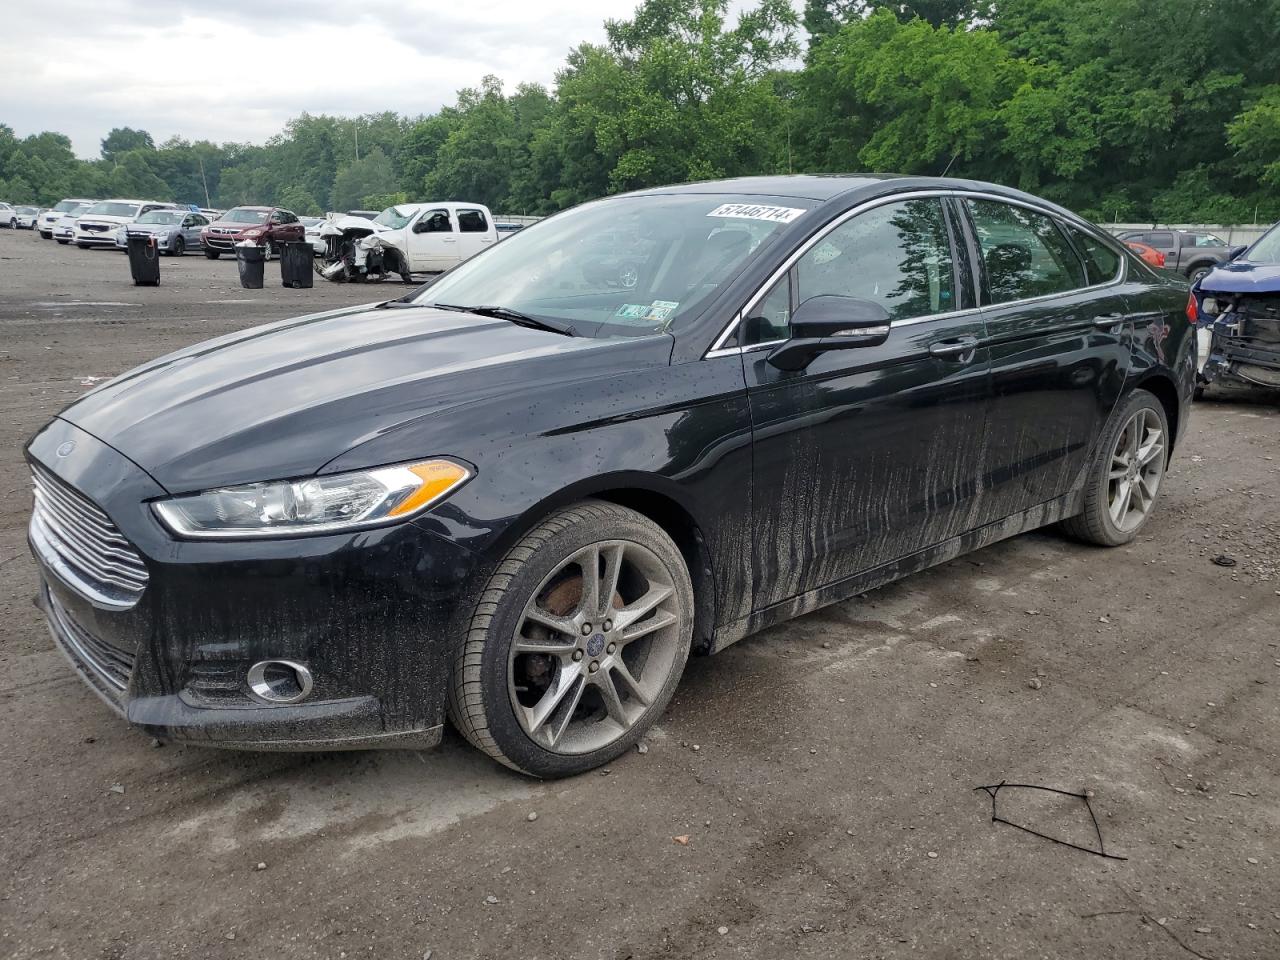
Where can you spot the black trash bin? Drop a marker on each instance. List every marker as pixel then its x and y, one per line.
pixel 252 260
pixel 295 264
pixel 144 261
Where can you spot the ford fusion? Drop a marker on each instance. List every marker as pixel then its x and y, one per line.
pixel 520 497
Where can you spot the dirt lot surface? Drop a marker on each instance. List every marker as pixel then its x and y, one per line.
pixel 823 772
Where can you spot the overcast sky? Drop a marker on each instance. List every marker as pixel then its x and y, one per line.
pixel 238 69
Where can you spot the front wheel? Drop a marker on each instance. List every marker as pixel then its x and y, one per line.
pixel 212 254
pixel 60 240
pixel 178 247
pixel 1126 473
pixel 576 644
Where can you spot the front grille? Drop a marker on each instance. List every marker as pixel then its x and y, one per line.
pixel 86 540
pixel 95 227
pixel 111 664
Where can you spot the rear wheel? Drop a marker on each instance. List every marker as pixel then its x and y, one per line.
pixel 577 643
pixel 1199 272
pixel 1125 475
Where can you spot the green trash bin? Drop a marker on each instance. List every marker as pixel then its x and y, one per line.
pixel 252 260
pixel 144 261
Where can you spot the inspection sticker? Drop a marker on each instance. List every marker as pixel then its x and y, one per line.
pixel 756 211
pixel 632 311
pixel 662 309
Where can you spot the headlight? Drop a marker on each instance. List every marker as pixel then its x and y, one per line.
pixel 342 501
pixel 255 232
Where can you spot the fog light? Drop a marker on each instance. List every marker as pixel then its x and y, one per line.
pixel 279 681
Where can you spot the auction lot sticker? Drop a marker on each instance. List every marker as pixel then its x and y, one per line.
pixel 756 211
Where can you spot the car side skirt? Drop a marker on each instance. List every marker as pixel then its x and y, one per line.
pixel 1052 511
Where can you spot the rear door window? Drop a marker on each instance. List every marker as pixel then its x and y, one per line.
pixel 1100 261
pixel 1024 254
pixel 472 221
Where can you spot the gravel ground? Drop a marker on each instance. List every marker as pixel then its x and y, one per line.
pixel 810 793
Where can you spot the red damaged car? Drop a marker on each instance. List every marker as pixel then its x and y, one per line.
pixel 265 226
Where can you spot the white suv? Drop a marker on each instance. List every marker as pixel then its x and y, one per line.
pixel 49 219
pixel 97 226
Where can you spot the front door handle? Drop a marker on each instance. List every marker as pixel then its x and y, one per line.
pixel 961 348
pixel 1109 321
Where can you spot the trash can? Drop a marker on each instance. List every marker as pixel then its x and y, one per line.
pixel 295 264
pixel 144 261
pixel 252 260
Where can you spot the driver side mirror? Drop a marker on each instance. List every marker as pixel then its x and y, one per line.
pixel 830 323
pixel 1235 252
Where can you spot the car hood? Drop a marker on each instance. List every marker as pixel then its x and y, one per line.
pixel 234 225
pixel 103 218
pixel 284 399
pixel 151 227
pixel 1240 276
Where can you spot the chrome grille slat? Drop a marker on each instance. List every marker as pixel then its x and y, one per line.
pixel 116 547
pixel 84 537
pixel 84 561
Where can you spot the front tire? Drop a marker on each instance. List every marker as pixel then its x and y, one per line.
pixel 576 644
pixel 212 254
pixel 1125 475
pixel 178 247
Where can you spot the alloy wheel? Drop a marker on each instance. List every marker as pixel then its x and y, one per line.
pixel 594 647
pixel 1137 467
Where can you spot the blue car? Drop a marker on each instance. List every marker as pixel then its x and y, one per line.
pixel 1237 307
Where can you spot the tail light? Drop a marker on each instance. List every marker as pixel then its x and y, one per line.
pixel 1191 308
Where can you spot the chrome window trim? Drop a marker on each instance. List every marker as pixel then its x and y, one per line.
pixel 718 350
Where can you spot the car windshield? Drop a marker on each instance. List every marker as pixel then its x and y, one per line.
pixel 628 266
pixel 110 208
pixel 78 209
pixel 392 217
pixel 245 216
pixel 1267 249
pixel 28 209
pixel 66 206
pixel 162 216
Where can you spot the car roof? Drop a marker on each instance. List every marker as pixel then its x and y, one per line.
pixel 248 206
pixel 829 186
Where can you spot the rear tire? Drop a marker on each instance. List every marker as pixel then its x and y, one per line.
pixel 614 649
pixel 1198 272
pixel 1125 474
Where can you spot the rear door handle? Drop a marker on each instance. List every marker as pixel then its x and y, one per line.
pixel 1109 321
pixel 956 349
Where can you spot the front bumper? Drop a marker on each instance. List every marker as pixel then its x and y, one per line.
pixel 221 241
pixel 96 238
pixel 372 614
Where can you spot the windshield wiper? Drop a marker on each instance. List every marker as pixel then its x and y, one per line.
pixel 515 316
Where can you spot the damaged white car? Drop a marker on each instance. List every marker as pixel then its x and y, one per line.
pixel 403 240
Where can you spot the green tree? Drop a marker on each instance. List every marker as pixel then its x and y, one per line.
pixel 371 174
pixel 123 139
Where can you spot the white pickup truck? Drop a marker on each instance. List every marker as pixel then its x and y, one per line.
pixel 405 239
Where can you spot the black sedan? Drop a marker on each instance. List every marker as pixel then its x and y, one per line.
pixel 521 496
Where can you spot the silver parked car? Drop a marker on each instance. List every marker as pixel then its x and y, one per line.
pixel 175 231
